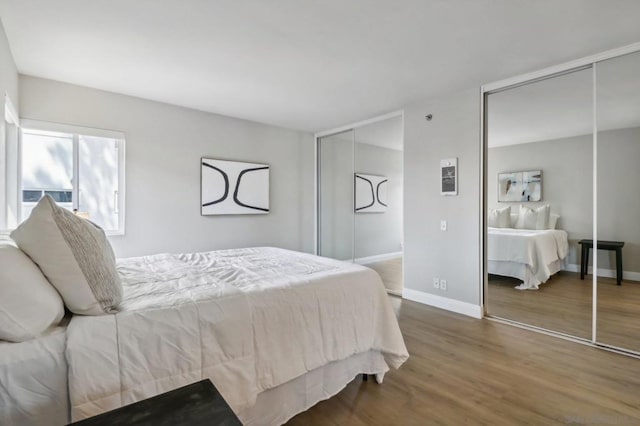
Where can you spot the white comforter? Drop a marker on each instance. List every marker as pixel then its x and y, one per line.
pixel 536 249
pixel 248 319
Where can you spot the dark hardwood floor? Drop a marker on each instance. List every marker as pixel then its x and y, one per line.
pixel 465 371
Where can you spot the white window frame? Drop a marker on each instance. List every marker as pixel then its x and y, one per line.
pixel 77 131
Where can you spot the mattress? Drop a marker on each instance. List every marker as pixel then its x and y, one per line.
pixel 33 381
pixel 251 320
pixel 532 256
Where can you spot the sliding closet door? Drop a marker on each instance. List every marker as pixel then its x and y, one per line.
pixel 335 196
pixel 618 197
pixel 378 199
pixel 540 152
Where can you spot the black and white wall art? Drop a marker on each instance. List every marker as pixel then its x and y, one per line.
pixel 449 176
pixel 370 193
pixel 233 187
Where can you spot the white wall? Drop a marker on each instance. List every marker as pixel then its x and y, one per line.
pixel 567 189
pixel 619 196
pixel 380 233
pixel 164 144
pixel 429 252
pixel 567 186
pixel 336 196
pixel 8 86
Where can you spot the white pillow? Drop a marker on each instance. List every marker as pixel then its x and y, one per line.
pixel 533 219
pixel 513 219
pixel 499 218
pixel 75 256
pixel 29 305
pixel 553 221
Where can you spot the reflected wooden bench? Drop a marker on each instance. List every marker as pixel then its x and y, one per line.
pixel 602 245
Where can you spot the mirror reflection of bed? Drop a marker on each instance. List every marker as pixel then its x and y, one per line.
pixel 543 169
pixel 528 280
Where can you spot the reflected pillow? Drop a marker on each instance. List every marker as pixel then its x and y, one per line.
pixel 75 256
pixel 529 218
pixel 499 218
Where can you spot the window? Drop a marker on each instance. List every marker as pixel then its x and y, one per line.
pixel 81 169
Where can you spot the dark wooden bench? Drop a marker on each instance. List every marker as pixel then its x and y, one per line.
pixel 602 245
pixel 194 405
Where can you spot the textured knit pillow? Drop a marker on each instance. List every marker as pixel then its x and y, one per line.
pixel 29 305
pixel 75 256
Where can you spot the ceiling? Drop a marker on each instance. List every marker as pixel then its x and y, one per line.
pixel 562 107
pixel 305 65
pixel 385 134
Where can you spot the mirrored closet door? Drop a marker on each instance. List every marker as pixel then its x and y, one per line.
pixel 618 201
pixel 539 200
pixel 378 174
pixel 335 196
pixel 546 254
pixel 360 187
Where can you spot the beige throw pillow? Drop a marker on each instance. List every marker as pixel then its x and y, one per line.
pixel 75 256
pixel 29 305
pixel 499 218
pixel 533 219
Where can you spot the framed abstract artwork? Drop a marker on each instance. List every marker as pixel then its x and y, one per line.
pixel 233 187
pixel 520 186
pixel 449 176
pixel 370 193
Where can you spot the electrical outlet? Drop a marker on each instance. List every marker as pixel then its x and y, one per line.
pixel 443 285
pixel 443 225
pixel 436 283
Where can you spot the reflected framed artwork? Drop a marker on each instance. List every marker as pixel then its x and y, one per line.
pixel 370 192
pixel 520 187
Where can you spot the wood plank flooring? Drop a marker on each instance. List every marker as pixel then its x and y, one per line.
pixel 564 304
pixel 391 273
pixel 465 371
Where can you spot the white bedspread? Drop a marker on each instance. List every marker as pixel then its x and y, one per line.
pixel 33 381
pixel 248 319
pixel 536 249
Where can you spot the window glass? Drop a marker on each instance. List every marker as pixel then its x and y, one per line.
pixel 47 165
pixel 80 172
pixel 31 196
pixel 60 196
pixel 98 180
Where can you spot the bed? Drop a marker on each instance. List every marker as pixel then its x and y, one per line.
pixel 275 330
pixel 531 256
pixel 33 380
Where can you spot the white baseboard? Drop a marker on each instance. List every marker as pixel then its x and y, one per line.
pixel 452 305
pixel 606 273
pixel 378 258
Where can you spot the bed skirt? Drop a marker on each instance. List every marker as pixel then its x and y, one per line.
pixel 277 405
pixel 522 272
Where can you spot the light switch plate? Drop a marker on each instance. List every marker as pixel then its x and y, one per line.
pixel 443 225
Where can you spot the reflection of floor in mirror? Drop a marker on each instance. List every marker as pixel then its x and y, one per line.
pixel 391 273
pixel 564 304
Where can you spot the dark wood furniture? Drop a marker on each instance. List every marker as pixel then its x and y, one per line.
pixel 602 245
pixel 194 405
